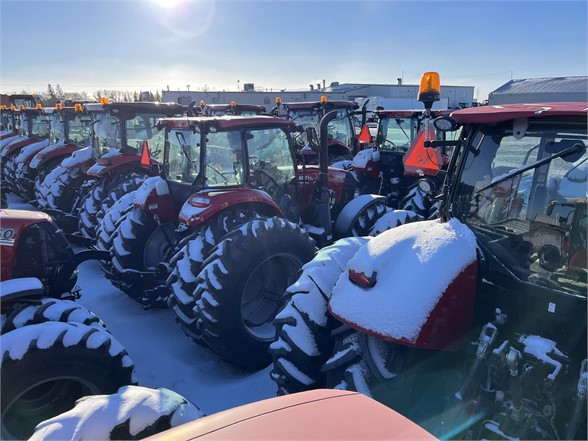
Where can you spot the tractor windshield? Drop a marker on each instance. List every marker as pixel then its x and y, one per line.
pixel 78 129
pixel 396 134
pixel 525 197
pixel 7 120
pixel 183 156
pixel 106 133
pixel 143 128
pixel 57 128
pixel 340 129
pixel 35 125
pixel 224 159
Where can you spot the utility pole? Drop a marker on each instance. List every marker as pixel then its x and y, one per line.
pixel 188 87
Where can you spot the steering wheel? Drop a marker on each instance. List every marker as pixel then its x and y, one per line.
pixel 218 173
pixel 387 141
pixel 268 182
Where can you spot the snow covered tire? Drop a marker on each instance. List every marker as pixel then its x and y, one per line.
pixel 240 288
pixel 302 342
pixel 187 263
pixel 46 367
pixel 133 413
pixel 31 312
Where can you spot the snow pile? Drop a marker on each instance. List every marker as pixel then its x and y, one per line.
pixel 413 264
pixel 95 417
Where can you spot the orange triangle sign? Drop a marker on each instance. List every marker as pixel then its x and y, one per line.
pixel 419 161
pixel 365 137
pixel 145 159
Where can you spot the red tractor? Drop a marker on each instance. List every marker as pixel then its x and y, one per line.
pixel 70 129
pixel 8 123
pixel 342 137
pixel 234 178
pixel 54 351
pixel 398 166
pixel 474 324
pixel 34 126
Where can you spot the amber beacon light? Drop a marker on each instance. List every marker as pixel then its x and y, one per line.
pixel 430 88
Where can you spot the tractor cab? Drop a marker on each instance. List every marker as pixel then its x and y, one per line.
pixel 8 120
pixel 342 137
pixel 71 125
pixel 34 122
pixel 229 153
pixel 121 129
pixel 231 109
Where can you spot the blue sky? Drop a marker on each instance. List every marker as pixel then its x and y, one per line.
pixel 142 45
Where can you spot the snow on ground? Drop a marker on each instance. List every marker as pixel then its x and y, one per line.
pixel 163 355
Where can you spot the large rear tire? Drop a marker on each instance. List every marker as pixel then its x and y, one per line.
pixel 302 342
pixel 63 189
pixel 103 196
pixel 133 413
pixel 42 172
pixel 46 367
pixel 240 288
pixel 187 263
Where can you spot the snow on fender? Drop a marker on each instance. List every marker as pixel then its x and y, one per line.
pixel 409 269
pixel 154 183
pixel 134 412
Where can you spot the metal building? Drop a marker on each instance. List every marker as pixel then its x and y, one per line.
pixel 537 90
pixel 456 96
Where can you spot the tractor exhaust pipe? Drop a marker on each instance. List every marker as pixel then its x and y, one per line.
pixel 323 179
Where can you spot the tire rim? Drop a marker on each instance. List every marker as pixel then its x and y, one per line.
pixel 157 245
pixel 263 293
pixel 40 402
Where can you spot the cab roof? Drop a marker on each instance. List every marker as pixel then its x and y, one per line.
pixel 329 105
pixel 408 113
pixel 227 122
pixel 131 108
pixel 506 112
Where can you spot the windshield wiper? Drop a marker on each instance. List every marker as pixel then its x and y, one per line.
pixel 573 149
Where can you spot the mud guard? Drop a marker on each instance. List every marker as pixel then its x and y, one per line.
pixel 203 205
pixel 81 158
pixel 20 288
pixel 412 285
pixel 350 212
pixel 154 197
pixel 51 152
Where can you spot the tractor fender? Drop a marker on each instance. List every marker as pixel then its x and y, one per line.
pixel 81 158
pixel 204 204
pixel 12 224
pixel 7 137
pixel 24 287
pixel 110 161
pixel 27 153
pixel 413 285
pixel 347 217
pixel 17 144
pixel 53 151
pixel 154 197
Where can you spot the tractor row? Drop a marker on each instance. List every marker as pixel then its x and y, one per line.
pixel 472 323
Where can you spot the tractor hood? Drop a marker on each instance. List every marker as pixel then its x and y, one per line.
pixel 395 281
pixel 313 415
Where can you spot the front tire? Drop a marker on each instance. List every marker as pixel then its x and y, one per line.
pixel 139 243
pixel 46 367
pixel 240 288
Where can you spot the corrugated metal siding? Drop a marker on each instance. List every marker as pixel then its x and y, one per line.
pixel 541 89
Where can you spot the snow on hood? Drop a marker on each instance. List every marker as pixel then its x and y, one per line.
pixel 95 416
pixel 414 264
pixel 30 150
pixel 50 148
pixel 78 157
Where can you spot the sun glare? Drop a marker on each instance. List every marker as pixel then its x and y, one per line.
pixel 168 4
